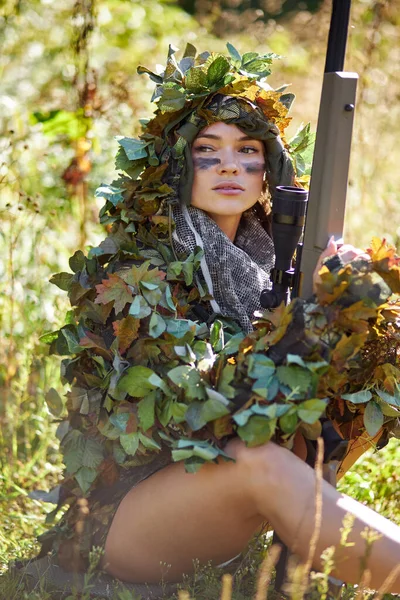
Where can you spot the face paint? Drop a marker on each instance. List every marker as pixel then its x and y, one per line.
pixel 202 163
pixel 254 167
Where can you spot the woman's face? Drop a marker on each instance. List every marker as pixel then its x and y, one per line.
pixel 229 170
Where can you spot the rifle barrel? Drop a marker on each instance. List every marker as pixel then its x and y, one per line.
pixel 337 36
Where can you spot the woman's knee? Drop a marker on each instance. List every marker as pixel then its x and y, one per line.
pixel 259 466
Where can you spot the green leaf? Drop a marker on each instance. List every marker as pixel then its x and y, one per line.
pixel 294 377
pixel 258 430
pixel 63 281
pixel 373 418
pixel 157 325
pixel 54 402
pixel 174 269
pixel 187 448
pixel 136 381
pixel 227 375
pixel 179 327
pixel 168 298
pixel 260 366
pixel 49 337
pixel 188 378
pixel 393 400
pixel 214 409
pixel 204 355
pixel 217 335
pixel 288 422
pixel 129 442
pixel 232 346
pixel 310 411
pixel 178 411
pixel 217 70
pixel 85 477
pixel 358 397
pixel 81 452
pixel 387 409
pixel 134 149
pixel 139 308
pixel 171 100
pixel 120 421
pixel 153 297
pixel 235 55
pixel 146 411
pixel 272 411
pixel 164 411
pixel 261 386
pixel 196 80
pixel 72 341
pixel 77 261
pixel 248 57
pixel 194 416
pixel 110 193
pixel 153 76
pixel 187 269
pixel 148 442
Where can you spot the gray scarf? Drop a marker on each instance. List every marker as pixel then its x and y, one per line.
pixel 235 273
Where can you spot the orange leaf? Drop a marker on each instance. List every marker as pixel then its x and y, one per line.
pixel 126 330
pixel 113 289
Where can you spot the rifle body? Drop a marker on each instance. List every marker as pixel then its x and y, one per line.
pixel 330 170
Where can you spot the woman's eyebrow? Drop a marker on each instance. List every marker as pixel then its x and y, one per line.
pixel 211 136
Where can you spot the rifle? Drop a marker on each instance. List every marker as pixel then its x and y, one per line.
pixel 323 214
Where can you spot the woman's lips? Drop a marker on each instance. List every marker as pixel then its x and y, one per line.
pixel 228 189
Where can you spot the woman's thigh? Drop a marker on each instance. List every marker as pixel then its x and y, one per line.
pixel 175 517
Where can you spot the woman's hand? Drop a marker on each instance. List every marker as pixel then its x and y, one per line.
pixel 346 252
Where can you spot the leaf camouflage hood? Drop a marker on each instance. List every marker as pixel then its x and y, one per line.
pixel 146 373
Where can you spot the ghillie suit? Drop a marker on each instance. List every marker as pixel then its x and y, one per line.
pixel 162 366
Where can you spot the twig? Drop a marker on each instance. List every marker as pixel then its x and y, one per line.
pixel 364 583
pixel 387 584
pixel 318 514
pixel 265 571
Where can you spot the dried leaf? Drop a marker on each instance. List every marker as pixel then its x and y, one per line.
pixel 126 330
pixel 113 289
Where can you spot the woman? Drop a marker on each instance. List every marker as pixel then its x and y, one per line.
pixel 184 265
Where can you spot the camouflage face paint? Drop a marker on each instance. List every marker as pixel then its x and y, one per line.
pixel 254 167
pixel 202 163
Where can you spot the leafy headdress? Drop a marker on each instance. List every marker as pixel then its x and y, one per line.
pixel 190 94
pixel 145 373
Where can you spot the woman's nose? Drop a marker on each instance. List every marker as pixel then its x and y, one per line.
pixel 228 166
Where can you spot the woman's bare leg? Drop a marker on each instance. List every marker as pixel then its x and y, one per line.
pixel 175 517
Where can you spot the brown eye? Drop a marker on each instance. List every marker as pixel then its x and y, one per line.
pixel 249 150
pixel 203 148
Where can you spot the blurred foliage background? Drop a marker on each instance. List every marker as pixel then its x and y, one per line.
pixel 68 85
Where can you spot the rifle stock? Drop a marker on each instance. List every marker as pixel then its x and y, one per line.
pixel 330 170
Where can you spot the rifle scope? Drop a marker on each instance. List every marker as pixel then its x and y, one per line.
pixel 288 217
